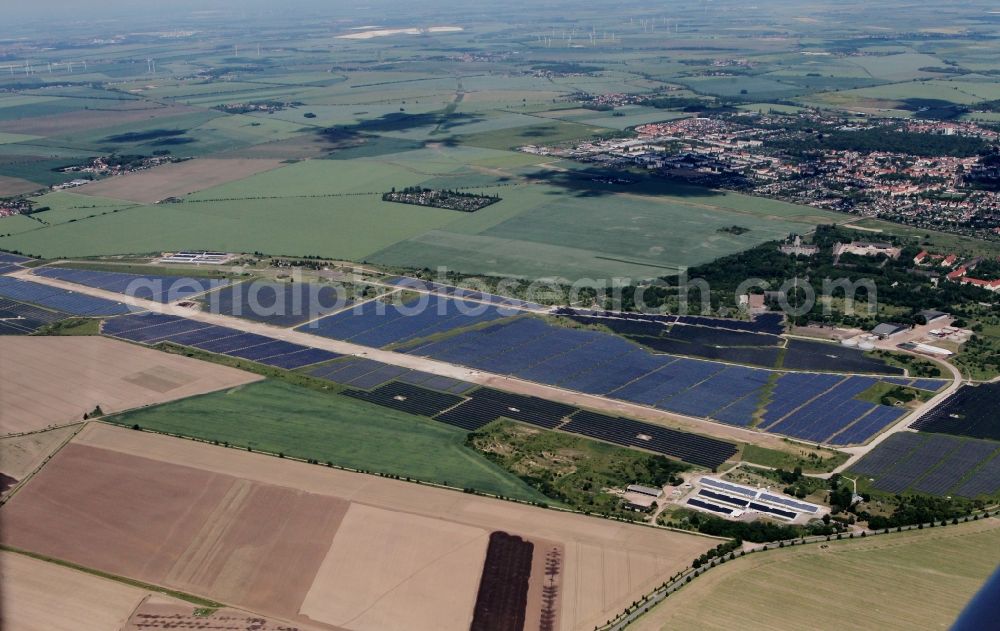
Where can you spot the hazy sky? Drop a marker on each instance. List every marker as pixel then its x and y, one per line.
pixel 74 10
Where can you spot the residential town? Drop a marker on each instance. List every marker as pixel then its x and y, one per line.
pixel 821 160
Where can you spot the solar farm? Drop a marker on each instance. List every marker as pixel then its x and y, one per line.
pixel 57 299
pixel 451 291
pixel 18 318
pixel 163 289
pixel 151 328
pixel 383 322
pixel 933 464
pixel 756 342
pixel 816 407
pixel 970 411
pixel 11 263
pixel 277 304
pixel 497 335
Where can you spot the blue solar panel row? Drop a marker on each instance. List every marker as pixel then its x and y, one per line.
pixel 793 390
pixel 379 324
pixel 731 488
pixel 58 299
pixel 869 425
pixel 930 384
pixel 278 304
pixel 833 411
pixel 784 501
pixel 722 497
pixel 954 467
pixel 7 257
pixel 151 328
pixel 458 292
pixel 148 286
pixel 7 268
pixel 771 510
pixel 739 413
pixel 365 373
pixel 715 508
pixel 984 481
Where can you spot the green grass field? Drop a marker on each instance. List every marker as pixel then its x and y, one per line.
pixel 912 580
pixel 300 422
pixel 642 231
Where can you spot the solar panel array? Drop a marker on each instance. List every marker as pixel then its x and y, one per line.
pixel 715 508
pixel 18 318
pixel 923 458
pixel 8 258
pixel 731 488
pixel 699 450
pixel 459 292
pixel 722 497
pixel 603 364
pixel 147 286
pixel 771 323
pixel 985 481
pixel 831 357
pixel 153 328
pixel 935 464
pixel 378 324
pixel 755 498
pixel 58 299
pixel 278 304
pixel 408 398
pixel 763 323
pixel 361 372
pixel 486 405
pixel 598 363
pixel 771 510
pixel 823 408
pixel 969 411
pixel 790 503
pixel 954 467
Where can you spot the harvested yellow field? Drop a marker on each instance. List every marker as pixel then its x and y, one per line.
pixel 914 580
pixel 177 179
pixel 47 381
pixel 391 570
pixel 32 587
pixel 20 455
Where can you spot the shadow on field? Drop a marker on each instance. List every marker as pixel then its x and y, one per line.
pixel 590 181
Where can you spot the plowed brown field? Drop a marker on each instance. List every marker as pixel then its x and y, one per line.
pixel 316 545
